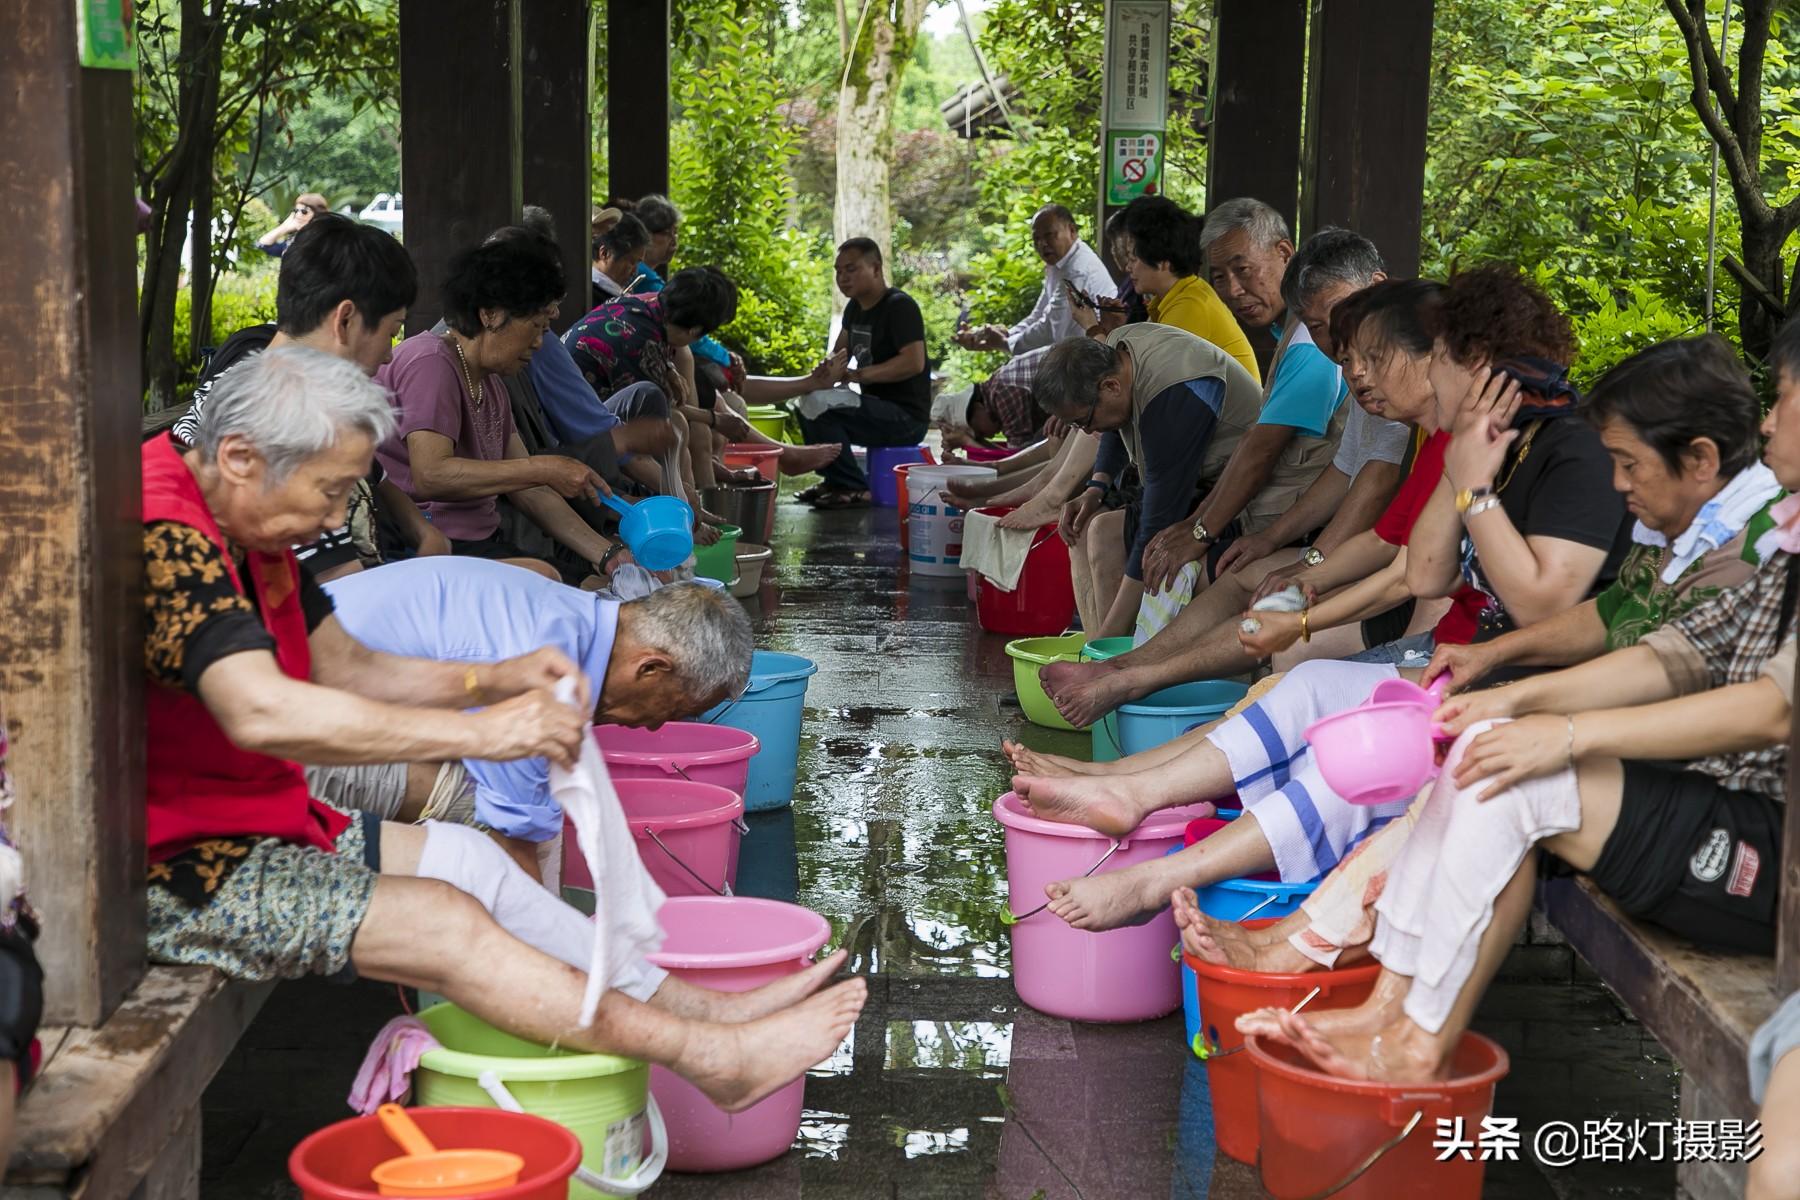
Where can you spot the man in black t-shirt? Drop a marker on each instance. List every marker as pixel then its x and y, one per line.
pixel 881 349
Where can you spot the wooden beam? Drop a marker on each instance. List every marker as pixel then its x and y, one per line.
pixel 637 97
pixel 556 59
pixel 1367 95
pixel 1787 928
pixel 110 1100
pixel 1258 100
pixel 71 650
pixel 460 134
pixel 1701 1005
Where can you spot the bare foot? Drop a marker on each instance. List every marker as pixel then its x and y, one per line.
pixel 705 534
pixel 1026 761
pixel 1107 901
pixel 803 460
pixel 1230 944
pixel 737 1007
pixel 1398 1051
pixel 1031 516
pixel 737 1065
pixel 1059 676
pixel 1086 699
pixel 1107 804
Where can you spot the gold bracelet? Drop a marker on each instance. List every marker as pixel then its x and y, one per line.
pixel 1305 633
pixel 472 685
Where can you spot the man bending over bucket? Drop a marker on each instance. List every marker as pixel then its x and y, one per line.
pixel 248 671
pixel 666 657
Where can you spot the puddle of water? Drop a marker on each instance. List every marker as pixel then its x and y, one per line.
pixel 980 1049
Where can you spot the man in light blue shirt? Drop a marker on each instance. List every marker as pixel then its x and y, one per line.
pixel 666 657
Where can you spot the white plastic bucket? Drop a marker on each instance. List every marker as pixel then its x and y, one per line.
pixel 935 525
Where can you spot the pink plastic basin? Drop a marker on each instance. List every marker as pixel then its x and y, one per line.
pixel 1121 975
pixel 688 835
pixel 686 750
pixel 1384 749
pixel 732 944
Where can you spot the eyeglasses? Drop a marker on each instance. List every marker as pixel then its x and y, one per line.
pixel 304 209
pixel 1085 423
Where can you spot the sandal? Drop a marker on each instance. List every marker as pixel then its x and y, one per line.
pixel 830 501
pixel 807 495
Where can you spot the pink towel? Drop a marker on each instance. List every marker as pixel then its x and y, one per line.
pixel 386 1074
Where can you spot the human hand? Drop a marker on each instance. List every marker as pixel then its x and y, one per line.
pixel 1528 748
pixel 729 425
pixel 830 371
pixel 1055 428
pixel 1483 430
pixel 432 543
pixel 542 668
pixel 1468 708
pixel 530 725
pixel 570 478
pixel 1283 578
pixel 618 560
pixel 1278 631
pixel 1168 552
pixel 1463 664
pixel 1085 318
pixel 1073 521
pixel 1246 550
pixel 706 534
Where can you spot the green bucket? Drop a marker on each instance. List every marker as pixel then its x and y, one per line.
pixel 1028 654
pixel 1106 729
pixel 772 422
pixel 719 560
pixel 604 1100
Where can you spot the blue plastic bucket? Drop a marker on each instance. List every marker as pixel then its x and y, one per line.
pixel 771 708
pixel 1164 716
pixel 1236 900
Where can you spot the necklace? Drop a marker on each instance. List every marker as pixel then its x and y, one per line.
pixel 1524 449
pixel 469 380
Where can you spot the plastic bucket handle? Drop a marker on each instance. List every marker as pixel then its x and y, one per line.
pixel 1206 1051
pixel 1006 913
pixel 639 1181
pixel 692 874
pixel 1373 1158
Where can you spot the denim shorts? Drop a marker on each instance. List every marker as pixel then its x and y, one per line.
pixel 1414 651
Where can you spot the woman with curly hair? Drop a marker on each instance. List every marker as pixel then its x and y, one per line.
pixel 456 451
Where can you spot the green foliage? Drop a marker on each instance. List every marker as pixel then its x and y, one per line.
pixel 345 148
pixel 241 300
pixel 729 176
pixel 1615 323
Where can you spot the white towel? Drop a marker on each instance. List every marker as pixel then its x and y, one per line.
pixel 815 404
pixel 999 554
pixel 1718 521
pixel 626 899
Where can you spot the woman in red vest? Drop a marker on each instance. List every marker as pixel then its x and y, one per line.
pixel 249 673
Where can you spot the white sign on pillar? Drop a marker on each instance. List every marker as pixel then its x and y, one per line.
pixel 1137 64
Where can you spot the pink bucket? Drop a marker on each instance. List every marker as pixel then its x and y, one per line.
pixel 732 944
pixel 1121 975
pixel 690 750
pixel 688 835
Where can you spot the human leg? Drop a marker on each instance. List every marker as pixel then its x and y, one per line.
pixel 1115 898
pixel 1039 499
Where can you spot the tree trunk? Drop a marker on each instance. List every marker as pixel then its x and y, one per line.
pixel 1762 241
pixel 881 45
pixel 173 195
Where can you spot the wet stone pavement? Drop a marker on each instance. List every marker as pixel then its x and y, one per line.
pixel 949 1086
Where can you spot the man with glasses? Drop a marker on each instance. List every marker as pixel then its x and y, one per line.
pixel 1174 405
pixel 276 242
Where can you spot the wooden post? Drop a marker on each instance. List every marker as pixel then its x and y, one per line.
pixel 1258 97
pixel 459 145
pixel 71 544
pixel 1370 83
pixel 1787 929
pixel 557 71
pixel 637 97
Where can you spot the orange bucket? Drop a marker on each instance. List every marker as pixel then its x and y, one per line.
pixel 1227 993
pixel 900 490
pixel 1360 1140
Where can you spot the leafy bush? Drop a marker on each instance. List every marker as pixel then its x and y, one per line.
pixel 246 298
pixel 1620 322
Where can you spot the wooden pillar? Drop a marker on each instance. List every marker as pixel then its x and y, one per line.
pixel 637 97
pixel 71 542
pixel 556 57
pixel 1258 97
pixel 459 133
pixel 1370 83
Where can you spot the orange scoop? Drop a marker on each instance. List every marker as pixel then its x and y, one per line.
pixel 424 1170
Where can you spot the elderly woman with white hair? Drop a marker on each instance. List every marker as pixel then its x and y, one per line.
pixel 250 673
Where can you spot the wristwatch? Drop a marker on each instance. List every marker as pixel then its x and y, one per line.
pixel 613 551
pixel 1200 533
pixel 1469 496
pixel 1313 556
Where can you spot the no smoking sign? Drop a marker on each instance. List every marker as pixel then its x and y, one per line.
pixel 1134 165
